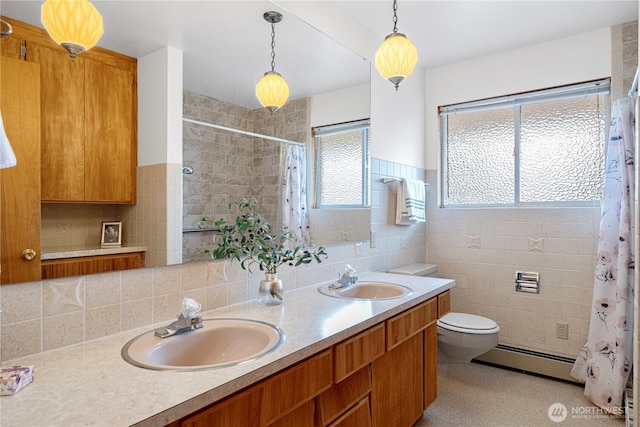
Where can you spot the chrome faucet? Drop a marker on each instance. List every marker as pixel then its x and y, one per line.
pixel 187 320
pixel 347 278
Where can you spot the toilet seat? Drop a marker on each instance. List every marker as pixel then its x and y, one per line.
pixel 468 323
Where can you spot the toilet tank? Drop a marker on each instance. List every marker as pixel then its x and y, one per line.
pixel 430 270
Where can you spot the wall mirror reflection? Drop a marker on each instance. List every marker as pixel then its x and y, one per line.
pixel 329 84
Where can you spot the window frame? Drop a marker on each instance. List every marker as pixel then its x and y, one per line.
pixel 594 87
pixel 318 132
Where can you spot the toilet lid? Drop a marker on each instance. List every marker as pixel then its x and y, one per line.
pixel 467 321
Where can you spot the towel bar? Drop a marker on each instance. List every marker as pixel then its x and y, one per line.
pixel 388 180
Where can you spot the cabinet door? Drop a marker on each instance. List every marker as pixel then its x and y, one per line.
pixel 396 380
pixel 110 146
pixel 20 185
pixel 62 106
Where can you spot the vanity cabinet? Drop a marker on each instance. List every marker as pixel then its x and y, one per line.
pixel 383 376
pixel 89 120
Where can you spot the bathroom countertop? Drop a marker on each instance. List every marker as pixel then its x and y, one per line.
pixel 80 251
pixel 90 383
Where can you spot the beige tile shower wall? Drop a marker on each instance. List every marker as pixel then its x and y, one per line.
pixel 229 166
pixel 291 122
pixel 483 248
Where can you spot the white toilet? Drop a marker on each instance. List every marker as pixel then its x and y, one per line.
pixel 461 336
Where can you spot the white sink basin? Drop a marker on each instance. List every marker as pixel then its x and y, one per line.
pixel 219 343
pixel 367 291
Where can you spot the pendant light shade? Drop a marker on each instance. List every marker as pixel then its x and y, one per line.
pixel 75 25
pixel 272 91
pixel 397 56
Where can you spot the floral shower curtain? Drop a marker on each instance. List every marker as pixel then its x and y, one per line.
pixel 293 193
pixel 605 361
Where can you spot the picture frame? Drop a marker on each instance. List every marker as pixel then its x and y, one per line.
pixel 111 234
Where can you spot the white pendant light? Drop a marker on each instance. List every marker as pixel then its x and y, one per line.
pixel 397 56
pixel 75 25
pixel 272 90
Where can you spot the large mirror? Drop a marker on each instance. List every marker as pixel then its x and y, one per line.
pixel 226 48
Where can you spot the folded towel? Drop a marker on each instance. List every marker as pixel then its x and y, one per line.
pixel 7 158
pixel 410 206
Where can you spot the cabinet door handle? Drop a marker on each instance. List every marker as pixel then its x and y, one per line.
pixel 28 254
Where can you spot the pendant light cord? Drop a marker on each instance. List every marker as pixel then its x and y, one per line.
pixel 273 47
pixel 395 16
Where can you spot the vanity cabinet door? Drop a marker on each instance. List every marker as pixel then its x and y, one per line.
pixel 398 378
pixel 20 185
pixel 397 385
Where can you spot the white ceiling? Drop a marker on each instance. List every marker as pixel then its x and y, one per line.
pixel 226 44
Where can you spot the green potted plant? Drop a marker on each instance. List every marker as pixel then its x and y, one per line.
pixel 250 239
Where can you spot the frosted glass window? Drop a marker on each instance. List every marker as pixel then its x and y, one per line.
pixel 562 150
pixel 480 157
pixel 342 165
pixel 544 147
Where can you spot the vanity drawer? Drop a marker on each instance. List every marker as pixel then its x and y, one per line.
pixel 444 303
pixel 359 415
pixel 358 351
pixel 336 401
pixel 292 388
pixel 412 321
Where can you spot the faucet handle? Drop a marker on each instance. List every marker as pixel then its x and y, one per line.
pixel 190 307
pixel 349 270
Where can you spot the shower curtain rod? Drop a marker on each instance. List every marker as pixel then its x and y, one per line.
pixel 243 132
pixel 634 86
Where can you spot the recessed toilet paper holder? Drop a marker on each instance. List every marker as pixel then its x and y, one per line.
pixel 527 282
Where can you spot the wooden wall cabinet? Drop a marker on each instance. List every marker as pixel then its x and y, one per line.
pixel 89 120
pixel 384 376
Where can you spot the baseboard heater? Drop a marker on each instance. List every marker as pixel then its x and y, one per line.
pixel 531 361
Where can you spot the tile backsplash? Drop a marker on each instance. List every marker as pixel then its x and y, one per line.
pixel 49 314
pixel 483 248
